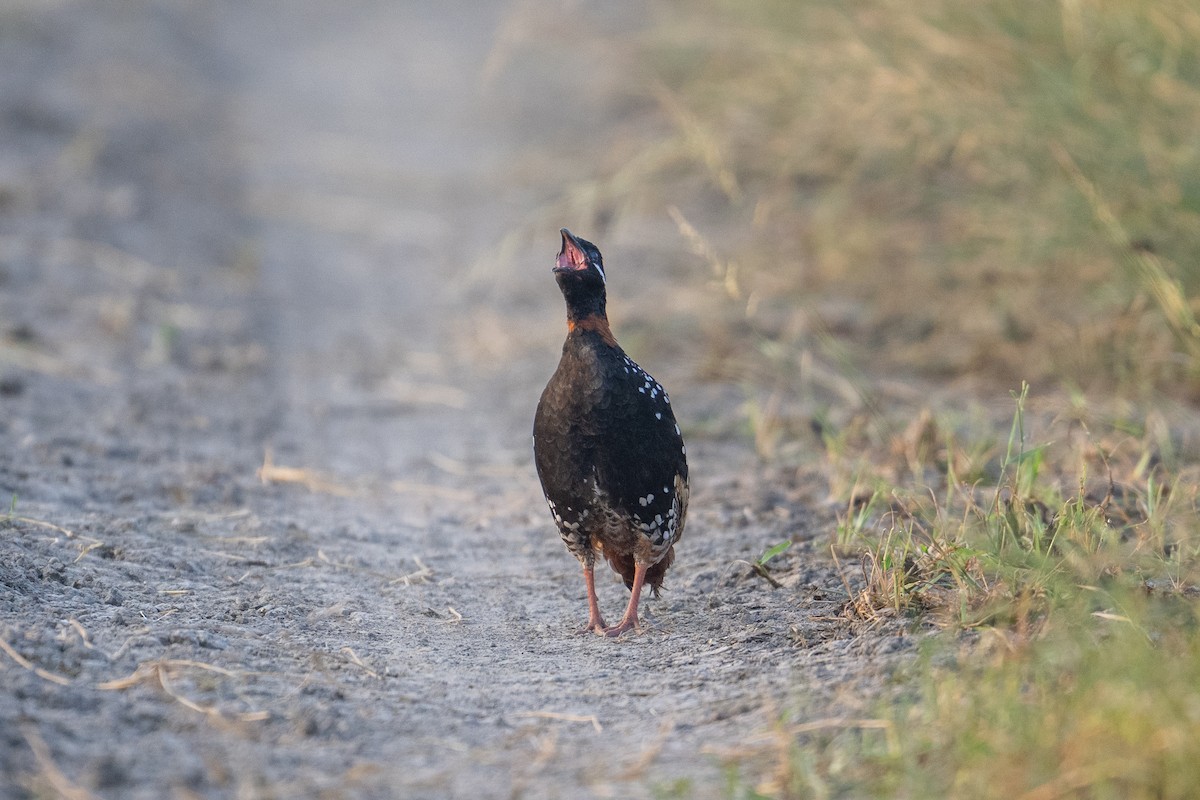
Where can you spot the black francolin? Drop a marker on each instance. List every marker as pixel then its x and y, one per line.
pixel 608 451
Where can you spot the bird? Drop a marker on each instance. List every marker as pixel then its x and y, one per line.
pixel 608 451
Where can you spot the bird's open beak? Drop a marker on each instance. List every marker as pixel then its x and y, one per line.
pixel 571 257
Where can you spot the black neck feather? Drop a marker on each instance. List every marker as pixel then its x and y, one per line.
pixel 584 298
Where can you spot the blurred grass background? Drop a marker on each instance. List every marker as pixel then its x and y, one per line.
pixel 959 198
pixel 988 191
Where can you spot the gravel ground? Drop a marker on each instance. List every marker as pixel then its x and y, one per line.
pixel 268 364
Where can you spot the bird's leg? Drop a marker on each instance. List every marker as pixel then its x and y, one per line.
pixel 630 620
pixel 595 621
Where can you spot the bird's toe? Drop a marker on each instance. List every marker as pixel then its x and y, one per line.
pixel 624 626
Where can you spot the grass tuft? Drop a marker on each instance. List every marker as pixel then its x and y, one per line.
pixel 1065 576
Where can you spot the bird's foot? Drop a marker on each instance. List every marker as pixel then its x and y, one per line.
pixel 629 622
pixel 595 624
pixel 626 624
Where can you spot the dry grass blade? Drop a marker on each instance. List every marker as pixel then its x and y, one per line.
pixel 761 571
pixel 62 785
pixel 164 682
pixel 91 545
pixel 257 562
pixel 148 669
pixel 158 673
pixel 84 636
pixel 353 658
pixel 27 664
pixel 314 481
pixel 421 575
pixel 184 662
pixel 133 679
pixel 89 548
pixel 48 525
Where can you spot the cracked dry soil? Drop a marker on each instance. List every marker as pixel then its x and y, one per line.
pixel 266 387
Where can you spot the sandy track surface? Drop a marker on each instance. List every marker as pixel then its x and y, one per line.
pixel 233 235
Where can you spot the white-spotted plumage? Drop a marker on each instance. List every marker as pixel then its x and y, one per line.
pixel 607 445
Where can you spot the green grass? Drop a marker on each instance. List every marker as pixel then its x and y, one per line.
pixel 1020 719
pixel 965 197
pixel 1089 501
pixel 1065 579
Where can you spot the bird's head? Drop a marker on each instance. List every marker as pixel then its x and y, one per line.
pixel 579 270
pixel 578 260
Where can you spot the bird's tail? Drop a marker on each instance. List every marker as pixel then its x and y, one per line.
pixel 624 566
pixel 656 573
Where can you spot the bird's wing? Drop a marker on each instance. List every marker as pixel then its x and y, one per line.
pixel 641 460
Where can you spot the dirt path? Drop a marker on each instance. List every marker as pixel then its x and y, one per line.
pixel 237 230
